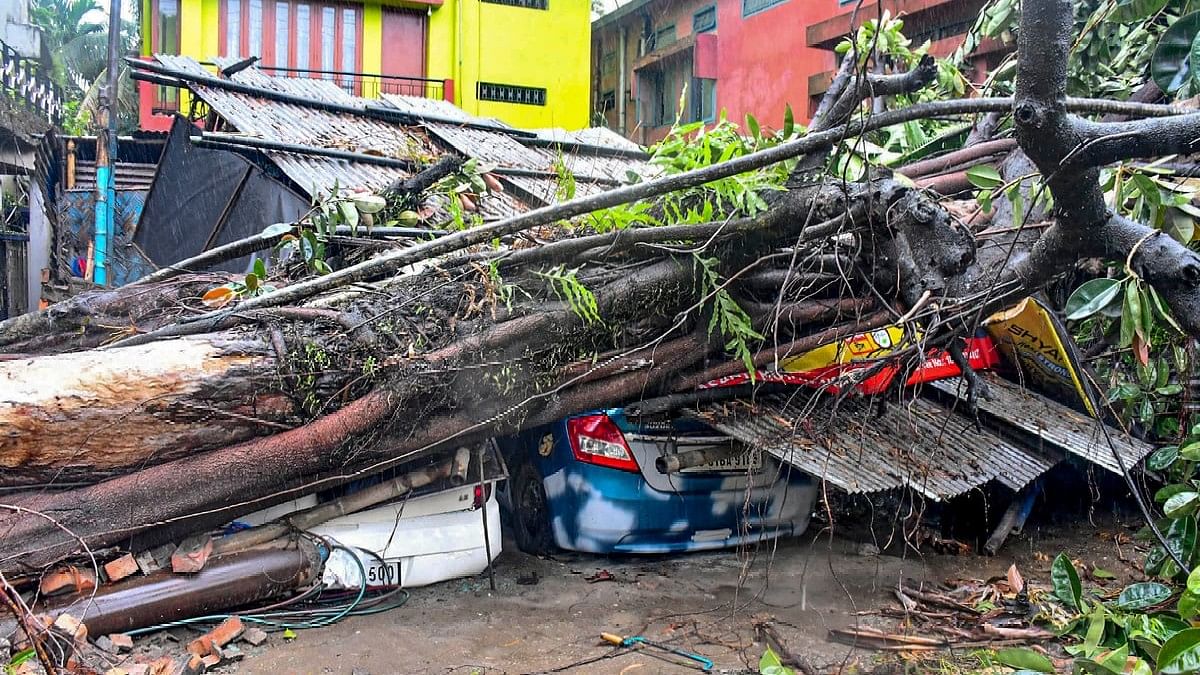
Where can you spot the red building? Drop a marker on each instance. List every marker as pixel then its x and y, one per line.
pixel 742 56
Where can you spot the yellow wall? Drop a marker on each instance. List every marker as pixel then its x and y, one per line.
pixel 501 44
pixel 519 46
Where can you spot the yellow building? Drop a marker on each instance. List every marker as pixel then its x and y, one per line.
pixel 525 62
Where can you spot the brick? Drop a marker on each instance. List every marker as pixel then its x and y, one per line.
pixel 254 636
pixel 105 645
pixel 68 579
pixel 229 630
pixel 231 653
pixel 71 626
pixel 191 555
pixel 201 646
pixel 194 666
pixel 163 666
pixel 155 559
pixel 120 568
pixel 211 661
pixel 121 641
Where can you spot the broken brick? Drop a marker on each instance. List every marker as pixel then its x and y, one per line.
pixel 105 645
pixel 254 636
pixel 162 666
pixel 71 626
pixel 195 666
pixel 68 579
pixel 211 660
pixel 121 641
pixel 229 630
pixel 120 568
pixel 191 554
pixel 201 646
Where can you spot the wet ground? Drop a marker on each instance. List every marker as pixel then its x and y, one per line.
pixel 707 603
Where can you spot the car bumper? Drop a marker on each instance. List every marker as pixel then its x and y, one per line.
pixel 601 510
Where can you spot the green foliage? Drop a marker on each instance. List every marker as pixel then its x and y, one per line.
pixel 564 179
pixel 727 315
pixel 1178 50
pixel 567 286
pixel 770 664
pixel 1025 659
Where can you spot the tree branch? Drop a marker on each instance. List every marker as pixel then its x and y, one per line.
pixel 1107 142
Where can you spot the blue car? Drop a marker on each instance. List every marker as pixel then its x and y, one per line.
pixel 603 482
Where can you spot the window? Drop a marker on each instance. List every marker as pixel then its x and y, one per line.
pixel 664 36
pixel 704 20
pixel 510 93
pixel 292 34
pixel 608 102
pixel 662 101
pixel 303 40
pixel 750 7
pixel 282 26
pixel 164 39
pixel 608 64
pixel 527 4
pixel 233 28
pixel 704 100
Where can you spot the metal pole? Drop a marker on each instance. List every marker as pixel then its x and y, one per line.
pixel 106 151
pixel 487 539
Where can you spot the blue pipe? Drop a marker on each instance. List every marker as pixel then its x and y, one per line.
pixel 103 226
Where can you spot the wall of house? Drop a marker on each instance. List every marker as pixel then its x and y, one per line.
pixel 472 41
pixel 468 41
pixel 777 56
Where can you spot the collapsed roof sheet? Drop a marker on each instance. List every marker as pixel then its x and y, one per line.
pixel 595 167
pixel 920 445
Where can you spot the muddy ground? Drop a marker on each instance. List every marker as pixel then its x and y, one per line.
pixel 703 602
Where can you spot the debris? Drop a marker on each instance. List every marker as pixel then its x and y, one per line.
pixel 530 579
pixel 121 641
pixel 192 554
pixel 201 646
pixel 1015 582
pixel 706 664
pixel 602 575
pixel 120 568
pixel 229 630
pixel 254 636
pixel 154 559
pixel 162 666
pixel 68 579
pixel 105 644
pixel 195 666
pixel 71 626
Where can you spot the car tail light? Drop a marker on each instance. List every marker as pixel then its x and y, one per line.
pixel 595 439
pixel 482 492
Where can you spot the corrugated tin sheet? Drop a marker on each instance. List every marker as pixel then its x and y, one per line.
pixel 1054 424
pixel 300 125
pixel 864 449
pixel 922 445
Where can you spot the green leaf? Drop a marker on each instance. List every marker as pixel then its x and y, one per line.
pixel 251 282
pixel 985 176
pixel 260 268
pixel 1066 582
pixel 1091 297
pixel 1171 64
pixel 1163 458
pixel 369 203
pixel 1162 309
pixel 1025 659
pixel 1180 654
pixel 289 634
pixel 1189 605
pixel 752 126
pixel 276 230
pixel 1191 451
pixel 1143 595
pixel 1135 11
pixel 349 214
pixel 1131 314
pixel 789 121
pixel 321 266
pixel 1182 504
pixel 1101 573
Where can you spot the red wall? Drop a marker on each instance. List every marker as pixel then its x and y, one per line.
pixel 763 62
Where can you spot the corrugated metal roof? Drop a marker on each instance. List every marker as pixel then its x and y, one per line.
pixel 922 445
pixel 304 125
pixel 1055 424
pixel 863 449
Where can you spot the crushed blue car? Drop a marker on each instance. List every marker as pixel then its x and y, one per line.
pixel 604 482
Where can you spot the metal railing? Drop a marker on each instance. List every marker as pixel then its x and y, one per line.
pixel 29 83
pixel 367 85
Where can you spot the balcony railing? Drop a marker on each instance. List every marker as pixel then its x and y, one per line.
pixel 367 85
pixel 159 102
pixel 28 82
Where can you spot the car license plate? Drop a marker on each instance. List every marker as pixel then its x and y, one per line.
pixel 749 461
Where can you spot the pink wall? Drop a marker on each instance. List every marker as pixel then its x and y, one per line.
pixel 763 62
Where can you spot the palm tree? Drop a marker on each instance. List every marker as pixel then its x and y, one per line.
pixel 78 50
